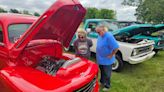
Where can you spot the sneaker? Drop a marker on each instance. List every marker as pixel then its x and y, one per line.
pixel 105 89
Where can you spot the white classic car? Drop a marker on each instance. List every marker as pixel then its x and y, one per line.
pixel 133 51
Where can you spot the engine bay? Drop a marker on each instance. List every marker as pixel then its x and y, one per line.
pixel 50 65
pixel 124 37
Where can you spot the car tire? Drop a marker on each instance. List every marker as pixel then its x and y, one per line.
pixel 156 51
pixel 118 65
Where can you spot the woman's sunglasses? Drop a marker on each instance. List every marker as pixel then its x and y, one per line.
pixel 81 37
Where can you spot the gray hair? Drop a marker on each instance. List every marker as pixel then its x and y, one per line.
pixel 104 27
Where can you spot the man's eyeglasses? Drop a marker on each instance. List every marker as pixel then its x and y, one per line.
pixel 98 32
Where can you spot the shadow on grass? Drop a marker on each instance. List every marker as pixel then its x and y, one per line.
pixel 130 68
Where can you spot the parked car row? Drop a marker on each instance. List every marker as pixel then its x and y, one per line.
pixel 137 42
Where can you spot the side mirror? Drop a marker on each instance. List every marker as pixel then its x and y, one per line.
pixel 88 30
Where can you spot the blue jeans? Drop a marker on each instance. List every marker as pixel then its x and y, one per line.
pixel 105 75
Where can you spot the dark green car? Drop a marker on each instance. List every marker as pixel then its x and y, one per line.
pixel 147 31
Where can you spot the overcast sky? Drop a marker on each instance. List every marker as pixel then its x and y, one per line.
pixel 123 12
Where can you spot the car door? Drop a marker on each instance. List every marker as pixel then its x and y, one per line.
pixel 3 50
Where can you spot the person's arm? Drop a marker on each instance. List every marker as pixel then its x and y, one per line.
pixel 75 45
pixel 113 53
pixel 113 45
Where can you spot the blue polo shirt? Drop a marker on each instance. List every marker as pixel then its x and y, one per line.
pixel 105 46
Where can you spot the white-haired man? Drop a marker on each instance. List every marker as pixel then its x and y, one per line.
pixel 106 49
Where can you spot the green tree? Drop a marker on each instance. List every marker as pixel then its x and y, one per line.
pixel 26 12
pixel 106 14
pixel 132 2
pixel 100 13
pixel 2 10
pixel 91 13
pixel 150 11
pixel 36 14
pixel 14 11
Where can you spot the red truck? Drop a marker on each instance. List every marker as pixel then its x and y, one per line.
pixel 31 52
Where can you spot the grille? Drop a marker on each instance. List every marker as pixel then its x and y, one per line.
pixel 144 49
pixel 88 87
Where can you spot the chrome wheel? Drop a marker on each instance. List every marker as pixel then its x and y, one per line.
pixel 115 65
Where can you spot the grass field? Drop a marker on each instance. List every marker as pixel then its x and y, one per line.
pixel 145 77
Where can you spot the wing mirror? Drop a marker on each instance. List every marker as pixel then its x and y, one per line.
pixel 88 30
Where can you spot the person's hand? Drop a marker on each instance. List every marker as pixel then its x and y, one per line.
pixel 113 53
pixel 110 55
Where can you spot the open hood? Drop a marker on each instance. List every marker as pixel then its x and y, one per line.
pixel 59 22
pixel 134 30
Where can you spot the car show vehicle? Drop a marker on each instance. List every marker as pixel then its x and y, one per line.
pixel 160 34
pixel 31 52
pixel 151 32
pixel 131 50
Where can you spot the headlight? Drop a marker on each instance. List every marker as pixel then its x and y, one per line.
pixel 151 47
pixel 135 52
pixel 158 43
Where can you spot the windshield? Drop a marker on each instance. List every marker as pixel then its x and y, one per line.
pixel 112 26
pixel 125 24
pixel 16 30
